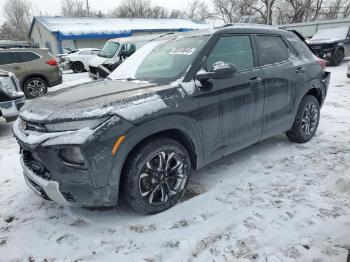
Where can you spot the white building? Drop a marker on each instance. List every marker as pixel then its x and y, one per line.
pixel 59 33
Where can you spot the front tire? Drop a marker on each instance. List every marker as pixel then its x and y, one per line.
pixel 34 87
pixel 306 120
pixel 156 175
pixel 78 67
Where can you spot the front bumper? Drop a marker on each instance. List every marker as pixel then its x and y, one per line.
pixel 44 188
pixel 10 109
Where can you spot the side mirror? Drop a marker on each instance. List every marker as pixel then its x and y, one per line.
pixel 221 70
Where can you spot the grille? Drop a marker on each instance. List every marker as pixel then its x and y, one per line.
pixel 93 69
pixel 32 126
pixel 34 163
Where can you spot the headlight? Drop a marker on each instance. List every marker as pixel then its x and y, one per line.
pixel 75 125
pixel 7 85
pixel 72 155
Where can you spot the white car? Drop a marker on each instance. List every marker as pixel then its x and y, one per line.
pixel 115 51
pixel 78 61
pixel 348 71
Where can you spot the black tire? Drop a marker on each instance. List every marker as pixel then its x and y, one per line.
pixel 337 58
pixel 142 181
pixel 78 67
pixel 308 114
pixel 34 87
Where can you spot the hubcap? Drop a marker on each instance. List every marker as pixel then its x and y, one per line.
pixel 162 178
pixel 309 120
pixel 36 88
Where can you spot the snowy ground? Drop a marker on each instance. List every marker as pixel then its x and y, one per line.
pixel 274 201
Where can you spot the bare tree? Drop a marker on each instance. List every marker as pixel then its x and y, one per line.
pixel 198 10
pixel 73 8
pixel 231 11
pixel 18 16
pixel 133 9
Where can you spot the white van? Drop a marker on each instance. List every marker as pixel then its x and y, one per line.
pixel 114 52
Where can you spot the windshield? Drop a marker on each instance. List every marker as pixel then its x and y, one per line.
pixel 330 33
pixel 109 49
pixel 161 61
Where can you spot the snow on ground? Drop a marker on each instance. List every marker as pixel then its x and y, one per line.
pixel 274 201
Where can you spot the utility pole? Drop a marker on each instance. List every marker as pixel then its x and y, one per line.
pixel 268 12
pixel 87 7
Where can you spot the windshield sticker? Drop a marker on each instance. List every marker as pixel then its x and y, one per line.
pixel 182 51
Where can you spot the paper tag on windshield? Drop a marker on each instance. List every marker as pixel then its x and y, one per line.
pixel 182 51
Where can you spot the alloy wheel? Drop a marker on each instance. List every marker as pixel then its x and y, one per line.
pixel 36 88
pixel 310 119
pixel 162 178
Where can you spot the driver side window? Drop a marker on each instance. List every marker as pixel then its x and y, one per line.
pixel 236 49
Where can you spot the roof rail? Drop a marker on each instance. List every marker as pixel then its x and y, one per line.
pixel 7 45
pixel 225 25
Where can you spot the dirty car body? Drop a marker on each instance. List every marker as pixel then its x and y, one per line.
pixel 76 142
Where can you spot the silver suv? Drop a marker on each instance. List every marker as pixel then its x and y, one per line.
pixel 11 96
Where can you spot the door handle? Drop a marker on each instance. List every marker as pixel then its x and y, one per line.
pixel 300 70
pixel 255 81
pixel 16 67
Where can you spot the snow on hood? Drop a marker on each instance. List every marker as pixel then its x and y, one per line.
pixel 127 99
pixel 62 138
pixel 323 40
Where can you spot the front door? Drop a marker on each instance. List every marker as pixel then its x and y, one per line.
pixel 232 107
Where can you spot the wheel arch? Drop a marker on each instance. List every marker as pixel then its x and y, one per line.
pixel 317 93
pixel 178 128
pixel 34 75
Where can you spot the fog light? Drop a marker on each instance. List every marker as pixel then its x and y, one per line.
pixel 72 155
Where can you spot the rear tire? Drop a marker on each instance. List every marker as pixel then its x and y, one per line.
pixel 306 120
pixel 78 67
pixel 156 175
pixel 34 87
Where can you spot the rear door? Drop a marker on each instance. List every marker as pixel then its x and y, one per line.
pixel 282 80
pixel 12 62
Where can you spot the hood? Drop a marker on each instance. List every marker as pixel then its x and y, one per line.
pixel 130 100
pixel 4 73
pixel 97 60
pixel 323 41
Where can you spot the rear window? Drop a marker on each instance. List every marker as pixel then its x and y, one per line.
pixel 9 58
pixel 28 56
pixel 272 49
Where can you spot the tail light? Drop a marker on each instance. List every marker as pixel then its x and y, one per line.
pixel 52 62
pixel 321 62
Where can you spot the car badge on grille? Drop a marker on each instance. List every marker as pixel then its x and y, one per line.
pixel 23 125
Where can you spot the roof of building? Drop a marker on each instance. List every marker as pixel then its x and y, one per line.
pixel 94 27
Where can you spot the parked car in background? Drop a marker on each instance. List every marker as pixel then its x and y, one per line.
pixel 78 59
pixel 331 44
pixel 114 52
pixel 35 68
pixel 11 96
pixel 179 103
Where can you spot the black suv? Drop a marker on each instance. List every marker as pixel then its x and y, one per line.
pixel 332 44
pixel 177 104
